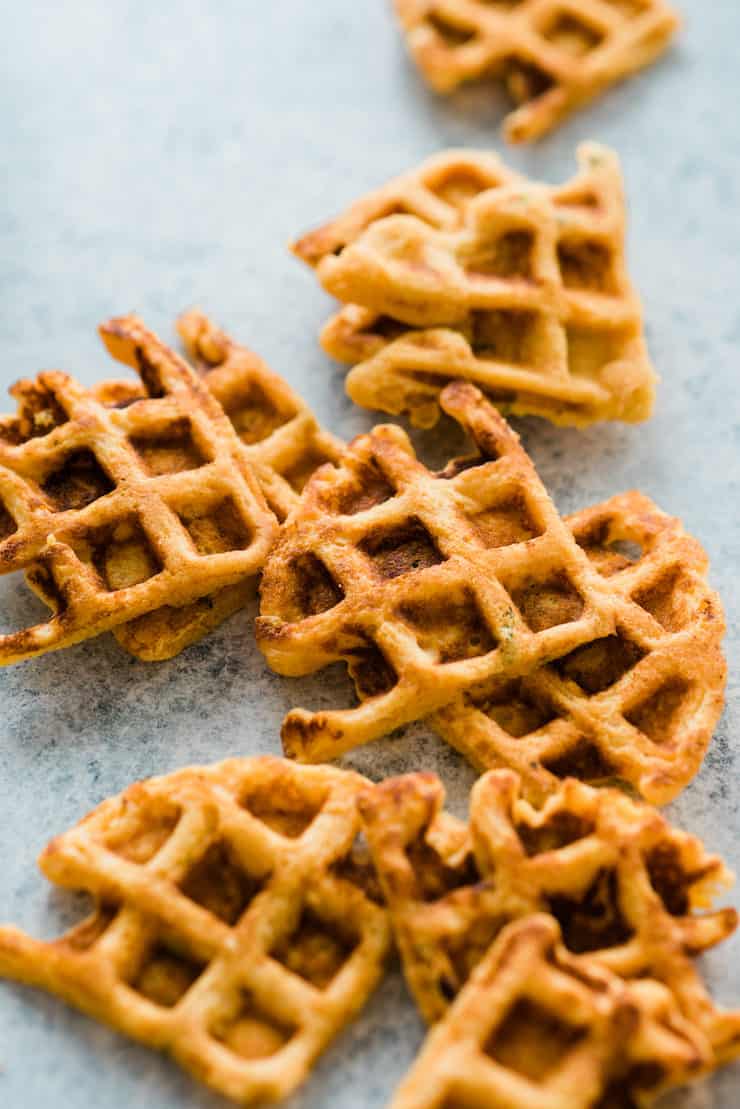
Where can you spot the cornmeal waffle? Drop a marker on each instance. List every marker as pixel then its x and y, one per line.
pixel 106 507
pixel 553 55
pixel 462 596
pixel 281 436
pixel 227 931
pixel 535 1028
pixel 575 716
pixel 282 443
pixel 521 289
pixel 623 885
pixel 439 191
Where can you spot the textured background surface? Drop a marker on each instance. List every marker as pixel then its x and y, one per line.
pixel 153 159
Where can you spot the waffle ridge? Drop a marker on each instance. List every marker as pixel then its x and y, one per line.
pixel 622 887
pixel 518 287
pixel 445 591
pixel 225 931
pixel 554 56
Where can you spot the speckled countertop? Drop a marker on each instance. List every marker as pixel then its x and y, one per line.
pixel 160 155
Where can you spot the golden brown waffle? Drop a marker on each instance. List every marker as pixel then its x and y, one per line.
pixel 522 289
pixel 444 592
pixel 439 191
pixel 575 716
pixel 623 885
pixel 553 55
pixel 281 436
pixel 106 508
pixel 535 1028
pixel 226 930
pixel 283 444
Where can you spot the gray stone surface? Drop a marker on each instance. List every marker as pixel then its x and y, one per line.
pixel 160 155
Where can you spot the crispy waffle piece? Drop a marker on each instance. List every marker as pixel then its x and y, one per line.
pixel 104 507
pixel 281 436
pixel 527 296
pixel 623 885
pixel 439 191
pixel 593 714
pixel 535 1028
pixel 226 930
pixel 554 56
pixel 443 592
pixel 283 444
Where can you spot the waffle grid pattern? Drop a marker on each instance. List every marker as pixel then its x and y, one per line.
pixel 531 1030
pixel 553 55
pixel 282 443
pixel 104 529
pixel 439 590
pixel 225 932
pixel 521 289
pixel 623 886
pixel 640 706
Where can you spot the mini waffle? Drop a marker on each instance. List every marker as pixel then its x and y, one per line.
pixel 623 885
pixel 553 55
pixel 522 290
pixel 441 591
pixel 283 444
pixel 535 1028
pixel 579 716
pixel 439 191
pixel 104 507
pixel 226 931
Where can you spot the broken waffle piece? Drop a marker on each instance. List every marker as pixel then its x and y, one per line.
pixel 227 930
pixel 280 435
pixel 535 1028
pixel 438 192
pixel 282 443
pixel 520 288
pixel 640 711
pixel 553 57
pixel 103 506
pixel 148 507
pixel 463 597
pixel 622 885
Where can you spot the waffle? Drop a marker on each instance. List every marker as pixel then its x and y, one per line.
pixel 522 289
pixel 439 191
pixel 622 884
pixel 283 444
pixel 464 594
pixel 570 718
pixel 554 56
pixel 227 930
pixel 281 436
pixel 535 1029
pixel 105 507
